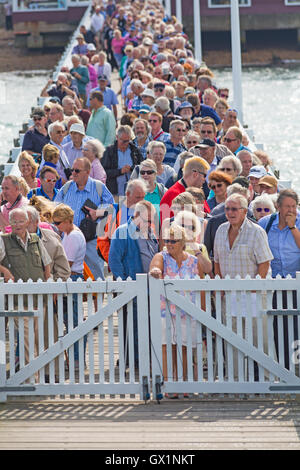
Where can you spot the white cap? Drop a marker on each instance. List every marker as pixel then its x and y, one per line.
pixel 91 47
pixel 148 92
pixel 77 127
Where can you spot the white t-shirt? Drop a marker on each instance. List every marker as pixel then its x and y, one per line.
pixel 75 247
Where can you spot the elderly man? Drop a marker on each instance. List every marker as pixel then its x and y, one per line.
pixel 208 130
pixel 81 75
pixel 37 136
pixel 141 130
pixel 135 192
pixel 73 149
pixel 23 256
pixel 162 106
pixel 233 140
pixel 283 231
pixel 241 248
pixel 60 89
pixel 246 159
pixel 148 97
pixel 75 193
pixel 174 145
pixel 11 198
pixel 56 132
pixel 132 248
pixel 59 267
pixel 56 113
pixel 268 184
pixel 119 160
pixel 194 174
pixel 102 124
pixel 72 107
pixel 110 99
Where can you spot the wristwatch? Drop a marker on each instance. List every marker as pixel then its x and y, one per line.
pixel 292 228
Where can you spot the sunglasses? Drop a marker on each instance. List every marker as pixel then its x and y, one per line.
pixel 232 209
pixel 226 169
pixel 180 130
pixel 223 95
pixel 57 222
pixel 159 89
pixel 76 170
pixel 171 242
pixel 260 209
pixel 214 186
pixel 147 172
pixel 226 139
pixel 37 119
pixel 49 180
pixel 192 142
pixel 153 120
pixel 200 172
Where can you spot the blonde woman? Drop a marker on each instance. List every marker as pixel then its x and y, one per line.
pixel 28 168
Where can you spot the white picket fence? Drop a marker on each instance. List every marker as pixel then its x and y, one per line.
pixel 202 336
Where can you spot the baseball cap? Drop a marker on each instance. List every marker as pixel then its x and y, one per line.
pixel 206 143
pixel 38 112
pixel 257 171
pixel 145 109
pixel 269 180
pixel 185 104
pixel 102 77
pixel 77 127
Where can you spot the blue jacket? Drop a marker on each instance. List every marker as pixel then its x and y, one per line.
pixel 124 255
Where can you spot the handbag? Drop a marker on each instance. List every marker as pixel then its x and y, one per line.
pixel 88 226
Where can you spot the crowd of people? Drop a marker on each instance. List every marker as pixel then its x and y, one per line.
pixel 156 177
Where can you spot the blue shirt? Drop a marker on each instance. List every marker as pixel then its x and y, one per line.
pixel 208 111
pixel 172 152
pixel 124 158
pixel 109 97
pixel 40 192
pixel 76 198
pixel 283 246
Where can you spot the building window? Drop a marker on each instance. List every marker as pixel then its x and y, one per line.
pixel 226 3
pixel 291 2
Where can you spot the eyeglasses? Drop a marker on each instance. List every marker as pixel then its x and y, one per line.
pixel 37 119
pixel 180 130
pixel 147 172
pixel 232 209
pixel 171 242
pixel 200 172
pixel 49 180
pixel 226 139
pixel 214 186
pixel 260 209
pixel 226 169
pixel 76 170
pixel 57 222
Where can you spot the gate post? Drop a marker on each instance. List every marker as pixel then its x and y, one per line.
pixel 3 395
pixel 156 337
pixel 143 333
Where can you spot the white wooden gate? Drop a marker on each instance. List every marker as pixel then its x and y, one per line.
pixel 32 314
pixel 225 346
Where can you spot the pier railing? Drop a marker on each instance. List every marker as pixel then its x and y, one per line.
pixel 149 337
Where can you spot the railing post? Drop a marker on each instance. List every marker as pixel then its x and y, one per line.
pixel 156 336
pixel 3 395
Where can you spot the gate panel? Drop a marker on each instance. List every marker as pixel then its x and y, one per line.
pixel 232 344
pixel 52 365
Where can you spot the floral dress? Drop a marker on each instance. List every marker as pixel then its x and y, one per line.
pixel 187 270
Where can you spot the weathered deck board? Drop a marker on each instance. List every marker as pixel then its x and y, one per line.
pixel 73 424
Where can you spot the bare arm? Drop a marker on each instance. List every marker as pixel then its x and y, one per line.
pixel 157 266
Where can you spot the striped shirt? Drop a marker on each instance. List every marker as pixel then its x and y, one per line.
pixel 249 249
pixel 172 152
pixel 76 198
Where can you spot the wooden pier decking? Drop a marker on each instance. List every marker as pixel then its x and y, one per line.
pixel 195 425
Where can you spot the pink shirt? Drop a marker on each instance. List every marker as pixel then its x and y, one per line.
pixel 117 45
pixel 97 171
pixel 6 208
